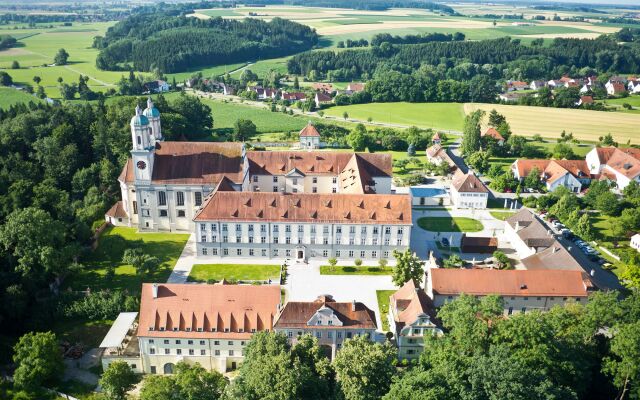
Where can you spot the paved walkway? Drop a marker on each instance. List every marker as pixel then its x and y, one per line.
pixel 305 284
pixel 183 266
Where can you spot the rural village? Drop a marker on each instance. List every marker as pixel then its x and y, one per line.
pixel 326 200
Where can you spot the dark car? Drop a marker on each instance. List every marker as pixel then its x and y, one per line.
pixel 445 242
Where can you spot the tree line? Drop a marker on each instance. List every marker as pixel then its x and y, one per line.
pixel 148 41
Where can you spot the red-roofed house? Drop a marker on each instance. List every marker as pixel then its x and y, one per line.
pixel 411 318
pixel 620 165
pixel 468 191
pixel 521 290
pixel 309 137
pixel 322 99
pixel 493 133
pixel 615 88
pixel 572 174
pixel 327 320
pixel 584 100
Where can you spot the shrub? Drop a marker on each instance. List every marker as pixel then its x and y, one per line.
pixel 332 261
pixel 383 262
pixel 357 262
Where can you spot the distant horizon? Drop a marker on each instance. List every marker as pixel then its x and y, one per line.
pixel 585 2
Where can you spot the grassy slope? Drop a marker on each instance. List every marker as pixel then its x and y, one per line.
pixel 446 116
pixel 10 96
pixel 549 122
pixel 205 272
pixel 112 244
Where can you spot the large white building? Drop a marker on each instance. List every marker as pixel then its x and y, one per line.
pixel 467 191
pixel 620 166
pixel 572 174
pixel 164 183
pixel 206 324
pixel 302 225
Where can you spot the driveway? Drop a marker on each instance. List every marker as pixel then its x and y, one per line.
pixel 305 284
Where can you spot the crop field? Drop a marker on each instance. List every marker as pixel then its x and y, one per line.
pixel 586 125
pixel 10 96
pixel 445 116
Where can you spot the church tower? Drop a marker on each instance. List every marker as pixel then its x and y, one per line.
pixel 153 115
pixel 143 146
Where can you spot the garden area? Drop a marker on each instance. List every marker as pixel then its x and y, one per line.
pixel 383 307
pixel 501 215
pixel 233 272
pixel 104 267
pixel 450 224
pixel 355 270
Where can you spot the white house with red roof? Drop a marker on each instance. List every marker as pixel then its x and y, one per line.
pixel 493 133
pixel 619 165
pixel 572 174
pixel 309 137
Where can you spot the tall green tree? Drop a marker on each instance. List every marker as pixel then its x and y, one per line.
pixel 408 266
pixel 471 135
pixel 61 57
pixel 38 359
pixel 365 369
pixel 117 380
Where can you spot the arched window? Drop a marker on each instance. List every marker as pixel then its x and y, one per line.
pixel 168 368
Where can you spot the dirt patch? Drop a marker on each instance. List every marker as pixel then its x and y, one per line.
pixel 14 52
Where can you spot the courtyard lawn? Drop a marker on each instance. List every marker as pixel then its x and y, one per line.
pixel 234 272
pixel 501 215
pixel 383 307
pixel 445 116
pixel 450 224
pixel 352 270
pixel 111 246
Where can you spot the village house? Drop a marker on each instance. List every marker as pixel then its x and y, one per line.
pixel 322 87
pixel 309 137
pixel 584 100
pixel 205 324
pixel 411 318
pixel 429 196
pixel 493 133
pixel 512 86
pixel 322 99
pixel 634 86
pixel 435 139
pixel 437 155
pixel 293 96
pixel 263 93
pixel 329 321
pixel 615 88
pixel 537 85
pixel 635 242
pixel 467 191
pixel 302 226
pixel 355 87
pixel 572 174
pixel 521 290
pixel 157 86
pixel 620 166
pixel 511 97
pixel 535 244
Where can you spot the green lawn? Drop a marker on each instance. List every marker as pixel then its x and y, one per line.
pixel 383 307
pixel 352 270
pixel 501 215
pixel 233 272
pixel 112 244
pixel 445 116
pixel 450 224
pixel 10 96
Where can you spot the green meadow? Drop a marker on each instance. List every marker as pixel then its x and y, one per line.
pixel 10 96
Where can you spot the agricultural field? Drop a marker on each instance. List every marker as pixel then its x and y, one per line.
pixel 586 125
pixel 444 116
pixel 39 46
pixel 336 25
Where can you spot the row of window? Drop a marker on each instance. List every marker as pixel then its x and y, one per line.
pixel 287 253
pixel 527 298
pixel 327 334
pixel 314 189
pixel 201 342
pixel 162 198
pixel 299 240
pixel 375 230
pixel 192 352
pixel 294 181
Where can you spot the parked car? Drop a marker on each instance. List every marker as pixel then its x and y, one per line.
pixel 567 234
pixel 445 242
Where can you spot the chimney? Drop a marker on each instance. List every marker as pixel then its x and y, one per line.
pixel 353 306
pixel 554 249
pixel 155 290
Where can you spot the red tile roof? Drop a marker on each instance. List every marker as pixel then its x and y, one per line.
pixel 408 303
pixel 219 311
pixel 586 100
pixel 492 132
pixel 306 207
pixel 296 314
pixel 624 161
pixel 509 282
pixel 468 183
pixel 192 163
pixel 309 130
pixel 117 211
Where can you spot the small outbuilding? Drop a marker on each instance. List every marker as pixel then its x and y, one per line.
pixel 473 244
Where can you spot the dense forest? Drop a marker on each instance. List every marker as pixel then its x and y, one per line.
pixel 58 175
pixel 167 43
pixel 451 70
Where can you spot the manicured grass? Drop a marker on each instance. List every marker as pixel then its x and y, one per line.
pixel 445 116
pixel 352 270
pixel 10 96
pixel 233 272
pixel 586 125
pixel 450 224
pixel 501 215
pixel 383 307
pixel 111 246
pixel 225 116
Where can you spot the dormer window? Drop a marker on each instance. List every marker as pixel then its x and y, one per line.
pixel 162 328
pixel 226 329
pixel 330 322
pixel 318 322
pixel 175 329
pixel 188 329
pixel 151 328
